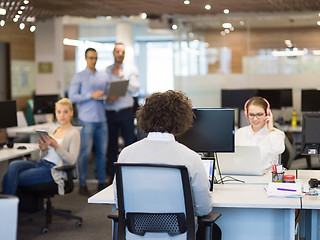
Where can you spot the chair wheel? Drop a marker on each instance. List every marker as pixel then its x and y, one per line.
pixel 78 224
pixel 44 230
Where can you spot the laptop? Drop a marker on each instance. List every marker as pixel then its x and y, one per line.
pixel 246 160
pixel 208 164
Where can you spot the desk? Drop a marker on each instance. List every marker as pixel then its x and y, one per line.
pixel 11 153
pixel 30 131
pixel 247 212
pixel 311 206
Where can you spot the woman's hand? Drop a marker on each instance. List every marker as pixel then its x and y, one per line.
pixel 269 121
pixel 46 141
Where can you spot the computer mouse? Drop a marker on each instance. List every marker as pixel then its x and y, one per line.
pixel 21 147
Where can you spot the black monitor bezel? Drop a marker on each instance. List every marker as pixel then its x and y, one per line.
pixel 211 149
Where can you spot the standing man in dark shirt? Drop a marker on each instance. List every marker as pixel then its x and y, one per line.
pixel 119 110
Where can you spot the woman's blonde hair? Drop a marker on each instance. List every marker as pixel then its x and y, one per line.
pixel 66 102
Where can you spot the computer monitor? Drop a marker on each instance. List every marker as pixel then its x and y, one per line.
pixel 277 98
pixel 43 104
pixel 8 110
pixel 212 131
pixel 310 100
pixel 236 98
pixel 310 133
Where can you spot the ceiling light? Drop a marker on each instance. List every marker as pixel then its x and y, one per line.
pixel 174 26
pixel 318 23
pixel 241 22
pixel 316 52
pixel 226 25
pixel 20 12
pixel 289 53
pixel 143 15
pixel 231 29
pixel 227 30
pixel 186 2
pixel 3 11
pixel 21 26
pixel 72 42
pixel 226 11
pixel 26 1
pixel 15 19
pixel 208 7
pixel 2 23
pixel 23 7
pixel 17 16
pixel 32 28
pixel 31 19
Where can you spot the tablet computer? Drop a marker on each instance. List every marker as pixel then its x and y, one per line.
pixel 118 88
pixel 41 132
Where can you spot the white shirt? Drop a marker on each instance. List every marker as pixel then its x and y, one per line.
pixel 271 143
pixel 130 73
pixel 52 155
pixel 162 148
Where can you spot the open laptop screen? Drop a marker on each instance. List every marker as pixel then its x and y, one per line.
pixel 208 164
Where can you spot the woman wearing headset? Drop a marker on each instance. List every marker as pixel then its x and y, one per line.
pixel 261 132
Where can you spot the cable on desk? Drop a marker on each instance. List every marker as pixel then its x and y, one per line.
pixel 222 180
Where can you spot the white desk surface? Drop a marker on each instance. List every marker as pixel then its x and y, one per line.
pixel 224 195
pixel 309 202
pixel 10 153
pixel 29 130
pixel 264 179
pixel 249 196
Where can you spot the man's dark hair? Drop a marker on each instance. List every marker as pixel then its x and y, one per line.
pixel 89 49
pixel 169 112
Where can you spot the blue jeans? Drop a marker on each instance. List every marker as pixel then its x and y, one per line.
pixel 97 132
pixel 26 173
pixel 118 122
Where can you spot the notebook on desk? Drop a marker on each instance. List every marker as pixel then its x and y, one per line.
pixel 246 160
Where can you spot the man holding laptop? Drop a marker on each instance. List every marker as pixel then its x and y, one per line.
pixel 119 108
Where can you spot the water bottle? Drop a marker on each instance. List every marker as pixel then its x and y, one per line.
pixel 294 119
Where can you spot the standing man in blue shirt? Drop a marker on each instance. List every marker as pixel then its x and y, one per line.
pixel 85 89
pixel 119 110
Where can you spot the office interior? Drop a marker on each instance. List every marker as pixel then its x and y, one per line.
pixel 199 56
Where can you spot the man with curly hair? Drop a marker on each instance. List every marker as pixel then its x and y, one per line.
pixel 164 116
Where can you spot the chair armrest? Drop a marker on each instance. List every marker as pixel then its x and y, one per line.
pixel 209 219
pixel 66 168
pixel 114 216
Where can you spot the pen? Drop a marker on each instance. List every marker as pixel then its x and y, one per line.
pixel 285 189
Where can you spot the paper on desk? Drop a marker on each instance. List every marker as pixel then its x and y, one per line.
pixel 289 190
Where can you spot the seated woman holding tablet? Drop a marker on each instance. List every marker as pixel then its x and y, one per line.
pixel 261 132
pixel 60 147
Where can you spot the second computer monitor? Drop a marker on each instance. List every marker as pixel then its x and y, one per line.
pixel 43 104
pixel 8 111
pixel 212 131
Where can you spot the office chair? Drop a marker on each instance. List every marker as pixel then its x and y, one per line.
pixel 155 200
pixel 47 191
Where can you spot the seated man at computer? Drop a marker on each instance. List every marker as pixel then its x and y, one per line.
pixel 261 132
pixel 60 147
pixel 164 116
